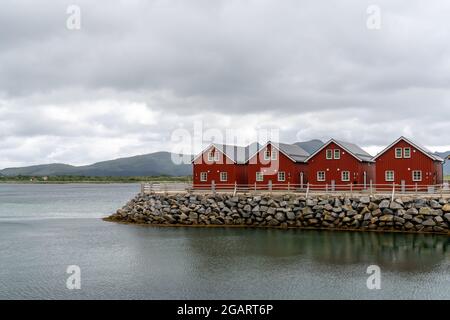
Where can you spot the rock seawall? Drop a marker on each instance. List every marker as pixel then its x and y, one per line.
pixel 375 213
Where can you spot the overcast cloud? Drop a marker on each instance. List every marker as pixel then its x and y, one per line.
pixel 138 70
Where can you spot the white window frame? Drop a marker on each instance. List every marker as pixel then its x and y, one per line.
pixel 282 173
pixel 348 175
pixel 210 156
pixel 337 151
pixel 413 175
pixel 267 155
pixel 216 156
pixel 386 175
pixel 319 174
pixel 273 155
pixel 329 154
pixel 203 176
pixel 401 153
pixel 259 176
pixel 409 153
pixel 222 174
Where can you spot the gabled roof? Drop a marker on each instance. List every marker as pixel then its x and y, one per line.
pixel 292 151
pixel 353 149
pixel 422 149
pixel 237 154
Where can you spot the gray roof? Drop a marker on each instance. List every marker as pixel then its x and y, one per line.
pixel 432 155
pixel 295 152
pixel 355 150
pixel 236 153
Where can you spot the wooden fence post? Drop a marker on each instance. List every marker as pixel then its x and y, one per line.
pixel 393 191
pixel 235 188
pixel 307 190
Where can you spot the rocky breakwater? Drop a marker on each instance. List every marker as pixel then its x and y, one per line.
pixel 289 211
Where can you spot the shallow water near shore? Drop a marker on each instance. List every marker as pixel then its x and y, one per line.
pixel 45 228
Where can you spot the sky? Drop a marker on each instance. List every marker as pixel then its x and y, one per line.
pixel 109 79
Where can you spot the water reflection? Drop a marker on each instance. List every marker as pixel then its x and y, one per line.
pixel 391 251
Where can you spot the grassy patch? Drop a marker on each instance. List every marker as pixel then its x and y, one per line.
pixel 83 179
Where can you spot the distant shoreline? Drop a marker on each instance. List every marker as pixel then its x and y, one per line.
pixel 89 180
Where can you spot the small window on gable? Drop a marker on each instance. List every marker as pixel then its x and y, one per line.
pixel 329 154
pixel 211 156
pixel 216 156
pixel 274 155
pixel 337 154
pixel 407 153
pixel 398 153
pixel 267 155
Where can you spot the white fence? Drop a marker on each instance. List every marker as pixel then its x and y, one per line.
pixel 389 189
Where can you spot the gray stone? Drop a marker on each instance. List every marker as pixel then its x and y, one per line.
pixel 290 215
pixel 409 225
pixel 435 205
pixel 384 204
pixel 280 216
pixel 412 211
pixel 364 200
pixel 429 223
pixel 447 217
pixel 387 218
pixel 248 208
pixel 395 206
pixel 399 219
pixel 425 211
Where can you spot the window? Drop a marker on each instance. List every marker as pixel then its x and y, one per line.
pixel 417 175
pixel 389 175
pixel 345 176
pixel 329 154
pixel 407 153
pixel 224 176
pixel 337 154
pixel 281 176
pixel 213 156
pixel 398 153
pixel 259 176
pixel 203 176
pixel 267 155
pixel 321 176
pixel 274 155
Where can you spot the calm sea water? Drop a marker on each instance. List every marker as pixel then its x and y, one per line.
pixel 46 228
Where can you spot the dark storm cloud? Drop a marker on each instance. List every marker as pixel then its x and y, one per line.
pixel 310 68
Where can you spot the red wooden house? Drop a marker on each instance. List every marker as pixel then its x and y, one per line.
pixel 339 163
pixel 277 166
pixel 222 166
pixel 407 164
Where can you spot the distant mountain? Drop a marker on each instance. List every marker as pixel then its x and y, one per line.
pixel 310 146
pixel 154 164
pixel 447 163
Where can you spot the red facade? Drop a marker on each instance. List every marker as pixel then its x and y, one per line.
pixel 214 168
pixel 343 169
pixel 280 172
pixel 410 168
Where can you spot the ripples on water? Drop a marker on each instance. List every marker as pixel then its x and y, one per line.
pixel 134 262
